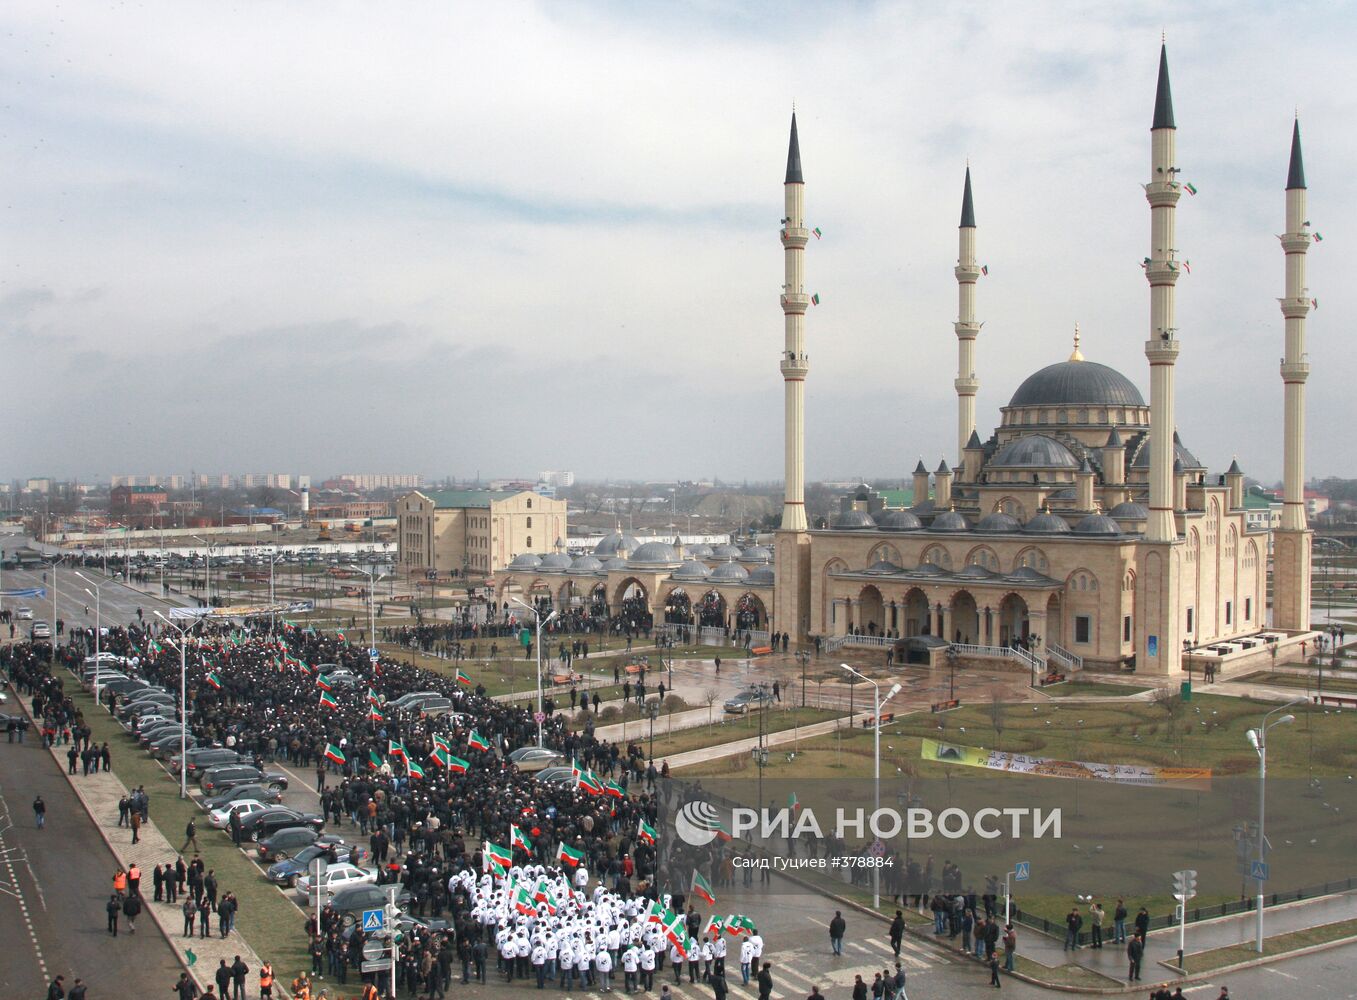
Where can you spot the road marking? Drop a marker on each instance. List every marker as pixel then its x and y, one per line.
pixel 6 823
pixel 1279 972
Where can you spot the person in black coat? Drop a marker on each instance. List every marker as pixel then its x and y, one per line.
pixel 132 910
pixel 1135 951
pixel 897 932
pixel 114 910
pixel 766 981
pixel 223 977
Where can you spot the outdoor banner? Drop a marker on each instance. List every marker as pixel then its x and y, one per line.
pixel 24 592
pixel 1196 778
pixel 243 610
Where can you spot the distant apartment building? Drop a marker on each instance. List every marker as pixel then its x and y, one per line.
pixel 560 480
pixel 42 484
pixel 136 501
pixel 363 481
pixel 215 481
pixel 350 509
pixel 480 531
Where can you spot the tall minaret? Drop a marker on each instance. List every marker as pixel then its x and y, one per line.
pixel 967 273
pixel 1161 349
pixel 1291 554
pixel 794 363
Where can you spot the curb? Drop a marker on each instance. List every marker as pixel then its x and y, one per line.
pixel 1268 959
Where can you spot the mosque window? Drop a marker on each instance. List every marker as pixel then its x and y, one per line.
pixel 1248 609
pixel 1126 628
pixel 530 503
pixel 1191 616
pixel 1083 416
pixel 530 542
pixel 1229 611
pixel 529 522
pixel 1083 628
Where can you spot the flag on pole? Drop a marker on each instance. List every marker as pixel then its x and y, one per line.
pixel 375 714
pixel 737 924
pixel 1187 266
pixel 213 680
pixel 984 269
pixel 1314 303
pixel 646 832
pixel 333 753
pixel 614 789
pixel 340 637
pixel 415 770
pixel 569 855
pixel 463 678
pixel 793 803
pixel 394 748
pixel 517 838
pixel 372 697
pixel 1319 238
pixel 817 232
pixel 497 853
pixel 442 742
pixel 456 765
pixel 327 702
pixel 676 931
pixel 523 901
pixel 497 869
pixel 701 888
pixel 1191 188
pixel 815 299
pixel 323 682
pixel 588 780
pixel 715 925
pixel 374 762
pixel 476 741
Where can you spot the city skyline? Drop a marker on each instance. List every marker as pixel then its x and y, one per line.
pixel 567 232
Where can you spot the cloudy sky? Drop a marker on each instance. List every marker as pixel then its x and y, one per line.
pixel 499 237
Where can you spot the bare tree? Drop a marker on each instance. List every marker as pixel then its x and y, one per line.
pixel 709 696
pixel 1170 701
pixel 996 717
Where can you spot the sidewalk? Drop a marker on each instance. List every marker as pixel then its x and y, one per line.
pixel 99 794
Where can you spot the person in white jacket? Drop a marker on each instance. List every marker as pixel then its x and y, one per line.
pixel 647 969
pixel 676 960
pixel 707 953
pixel 631 961
pixel 603 965
pixel 746 957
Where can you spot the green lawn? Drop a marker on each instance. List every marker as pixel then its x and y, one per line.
pixel 1220 958
pixel 1091 689
pixel 1336 685
pixel 729 729
pixel 267 920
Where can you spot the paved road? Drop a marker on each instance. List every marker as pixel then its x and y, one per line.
pixel 52 894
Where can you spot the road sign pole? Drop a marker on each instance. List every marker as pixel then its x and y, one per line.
pixel 394 890
pixel 1008 900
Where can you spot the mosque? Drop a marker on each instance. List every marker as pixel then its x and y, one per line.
pixel 1081 534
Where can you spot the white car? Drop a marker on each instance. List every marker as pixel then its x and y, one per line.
pixel 221 818
pixel 24 615
pixel 336 877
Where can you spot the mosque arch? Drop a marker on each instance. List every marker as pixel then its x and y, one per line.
pixel 915 613
pixel 750 612
pixel 885 552
pixel 1032 557
pixel 871 611
pixel 936 555
pixel 711 610
pixel 1011 506
pixel 963 617
pixel 678 607
pixel 1014 625
pixel 983 556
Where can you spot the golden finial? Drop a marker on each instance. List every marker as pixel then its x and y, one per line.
pixel 1075 355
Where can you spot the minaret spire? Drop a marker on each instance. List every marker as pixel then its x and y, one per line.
pixel 1163 94
pixel 967 329
pixel 794 364
pixel 1292 549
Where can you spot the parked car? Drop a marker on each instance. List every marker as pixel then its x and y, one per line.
pixel 263 793
pixel 749 699
pixel 336 877
pixel 24 615
pixel 40 630
pixel 555 775
pixel 146 735
pixel 200 759
pixel 262 825
pixel 219 777
pixel 286 841
pixel 408 702
pixel 221 817
pixel 171 744
pixel 288 870
pixel 536 758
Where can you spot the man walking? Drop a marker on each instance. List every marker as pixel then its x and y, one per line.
pixel 190 836
pixel 766 981
pixel 132 910
pixel 239 970
pixel 114 909
pixel 837 926
pixel 1095 915
pixel 1073 921
pixel 897 932
pixel 1135 951
pixel 40 812
pixel 1119 923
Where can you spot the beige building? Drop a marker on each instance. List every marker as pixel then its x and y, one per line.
pixel 474 531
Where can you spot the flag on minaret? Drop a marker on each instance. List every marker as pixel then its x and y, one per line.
pixel 1319 238
pixel 815 299
pixel 817 232
pixel 984 269
pixel 1191 188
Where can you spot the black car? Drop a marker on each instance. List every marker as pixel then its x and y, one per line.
pixel 264 793
pixel 200 759
pixel 283 843
pixel 171 744
pixel 224 776
pixel 262 824
pixel 351 901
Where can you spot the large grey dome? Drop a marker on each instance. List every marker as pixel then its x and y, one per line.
pixel 1047 524
pixel 586 564
pixel 525 561
pixel 557 562
pixel 725 552
pixel 610 545
pixel 692 570
pixel 1034 451
pixel 1097 524
pixel 900 520
pixel 699 551
pixel 950 520
pixel 730 572
pixel 654 554
pixel 616 562
pixel 882 567
pixel 763 576
pixel 1128 510
pixel 756 554
pixel 998 523
pixel 1077 383
pixel 853 520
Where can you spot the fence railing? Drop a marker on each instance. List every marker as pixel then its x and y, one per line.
pixel 999 653
pixel 879 641
pixel 1071 661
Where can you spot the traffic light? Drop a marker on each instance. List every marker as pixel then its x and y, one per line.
pixel 1185 884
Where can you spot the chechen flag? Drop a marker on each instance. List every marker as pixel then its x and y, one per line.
pixel 646 832
pixel 463 678
pixel 415 770
pixel 327 702
pixel 569 855
pixel 333 753
pixel 476 741
pixel 517 838
pixel 213 680
pixel 701 888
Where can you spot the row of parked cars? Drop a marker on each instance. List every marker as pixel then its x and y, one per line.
pixel 282 839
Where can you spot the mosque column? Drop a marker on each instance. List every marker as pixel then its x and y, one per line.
pixel 967 329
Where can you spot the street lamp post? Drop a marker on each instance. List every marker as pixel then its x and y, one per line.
pixel 876 757
pixel 1258 740
pixel 372 604
pixel 183 704
pixel 207 576
pixel 98 664
pixel 272 563
pixel 537 614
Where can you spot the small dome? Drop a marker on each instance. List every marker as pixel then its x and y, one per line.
pixel 1036 451
pixel 700 551
pixel 923 507
pixel 762 576
pixel 654 554
pixel 883 567
pixel 1026 574
pixel 725 552
pixel 950 520
pixel 1180 456
pixel 610 545
pixel 1097 524
pixel 731 572
pixel 1128 510
pixel 756 554
pixel 1077 383
pixel 853 520
pixel 998 523
pixel 691 570
pixel 927 569
pixel 976 572
pixel 900 520
pixel 616 562
pixel 525 561
pixel 586 564
pixel 1046 523
pixel 557 562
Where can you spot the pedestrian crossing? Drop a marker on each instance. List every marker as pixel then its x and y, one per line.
pixel 797 971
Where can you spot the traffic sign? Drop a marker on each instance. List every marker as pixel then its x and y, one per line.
pixel 377 966
pixel 877 849
pixel 374 920
pixel 373 655
pixel 318 866
pixel 1259 870
pixel 539 717
pixel 1022 871
pixel 374 949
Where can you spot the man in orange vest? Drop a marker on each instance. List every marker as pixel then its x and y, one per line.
pixel 120 882
pixel 370 992
pixel 266 982
pixel 134 880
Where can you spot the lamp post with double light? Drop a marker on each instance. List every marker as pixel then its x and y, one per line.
pixel 98 629
pixel 877 702
pixel 183 703
pixel 1258 740
pixel 537 614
